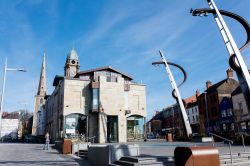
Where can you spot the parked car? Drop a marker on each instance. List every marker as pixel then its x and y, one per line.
pixel 33 139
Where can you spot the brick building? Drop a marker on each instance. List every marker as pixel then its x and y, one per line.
pixel 215 106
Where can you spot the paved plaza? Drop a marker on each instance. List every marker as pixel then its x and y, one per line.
pixel 20 154
pixel 15 154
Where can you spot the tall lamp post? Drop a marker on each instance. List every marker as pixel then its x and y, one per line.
pixel 236 61
pixel 3 88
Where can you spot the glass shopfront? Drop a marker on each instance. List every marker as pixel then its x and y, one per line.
pixel 135 128
pixel 75 124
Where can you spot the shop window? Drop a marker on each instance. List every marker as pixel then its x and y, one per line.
pixel 223 113
pixel 95 101
pixel 241 108
pixel 243 126
pixel 224 127
pixel 229 112
pixel 232 126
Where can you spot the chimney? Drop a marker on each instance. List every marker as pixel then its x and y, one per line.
pixel 208 84
pixel 230 73
pixel 197 92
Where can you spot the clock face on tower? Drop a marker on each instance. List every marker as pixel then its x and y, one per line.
pixel 73 61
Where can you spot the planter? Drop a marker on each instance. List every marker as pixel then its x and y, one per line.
pixel 76 146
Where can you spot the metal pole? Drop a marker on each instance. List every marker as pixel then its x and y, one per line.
pixel 174 86
pixel 212 140
pixel 206 112
pixel 230 148
pixel 3 88
pixel 243 142
pixel 2 97
pixel 145 129
pixel 87 127
pixel 231 47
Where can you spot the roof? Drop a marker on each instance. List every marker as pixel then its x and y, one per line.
pixel 225 86
pixel 11 115
pixel 104 68
pixel 191 99
pixel 57 79
pixel 72 55
pixel 237 91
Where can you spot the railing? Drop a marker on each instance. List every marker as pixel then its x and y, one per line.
pixel 243 139
pixel 230 142
pixel 82 138
pixel 92 139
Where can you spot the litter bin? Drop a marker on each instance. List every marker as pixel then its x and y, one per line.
pixel 67 146
pixel 196 156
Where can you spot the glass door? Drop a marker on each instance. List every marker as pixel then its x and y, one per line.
pixel 112 128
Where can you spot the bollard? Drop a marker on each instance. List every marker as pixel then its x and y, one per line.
pixel 196 156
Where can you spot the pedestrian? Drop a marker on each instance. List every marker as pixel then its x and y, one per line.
pixel 46 145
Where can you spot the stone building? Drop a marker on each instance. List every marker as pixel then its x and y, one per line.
pixel 41 120
pixel 103 103
pixel 241 112
pixel 192 110
pixel 40 95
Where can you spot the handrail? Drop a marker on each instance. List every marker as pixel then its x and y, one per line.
pixel 228 140
pixel 243 133
pixel 90 138
pixel 243 139
pixel 225 139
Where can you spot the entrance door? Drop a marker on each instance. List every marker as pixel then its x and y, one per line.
pixel 135 128
pixel 112 128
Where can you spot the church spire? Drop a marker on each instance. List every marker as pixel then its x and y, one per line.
pixel 42 87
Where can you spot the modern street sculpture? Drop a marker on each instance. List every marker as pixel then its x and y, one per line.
pixel 175 92
pixel 236 61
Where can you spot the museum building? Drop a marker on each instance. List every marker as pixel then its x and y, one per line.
pixel 103 103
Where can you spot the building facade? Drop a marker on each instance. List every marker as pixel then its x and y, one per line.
pixel 102 103
pixel 41 120
pixel 10 125
pixel 241 112
pixel 215 106
pixel 40 96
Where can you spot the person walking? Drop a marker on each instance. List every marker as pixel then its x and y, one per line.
pixel 46 145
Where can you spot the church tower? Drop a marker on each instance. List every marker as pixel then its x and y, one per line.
pixel 39 97
pixel 72 64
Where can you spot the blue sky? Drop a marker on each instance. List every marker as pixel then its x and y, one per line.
pixel 124 34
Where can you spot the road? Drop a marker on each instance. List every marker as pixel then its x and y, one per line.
pixel 20 154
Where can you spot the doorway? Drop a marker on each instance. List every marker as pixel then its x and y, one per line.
pixel 112 128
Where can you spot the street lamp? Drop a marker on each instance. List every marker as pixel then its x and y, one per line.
pixel 3 88
pixel 236 61
pixel 175 92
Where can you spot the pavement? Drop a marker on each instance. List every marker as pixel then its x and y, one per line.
pixel 22 154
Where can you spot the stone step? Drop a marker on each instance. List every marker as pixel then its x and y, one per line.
pixel 127 163
pixel 82 153
pixel 235 160
pixel 227 155
pixel 244 154
pixel 145 159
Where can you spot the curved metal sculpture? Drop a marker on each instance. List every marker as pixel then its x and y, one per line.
pixel 179 85
pixel 175 92
pixel 241 20
pixel 236 61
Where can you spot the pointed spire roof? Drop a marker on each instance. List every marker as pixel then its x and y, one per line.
pixel 42 87
pixel 72 55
